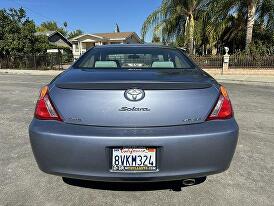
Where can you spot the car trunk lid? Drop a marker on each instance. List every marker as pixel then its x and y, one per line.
pixel 98 98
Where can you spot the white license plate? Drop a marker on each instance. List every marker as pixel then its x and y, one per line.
pixel 133 159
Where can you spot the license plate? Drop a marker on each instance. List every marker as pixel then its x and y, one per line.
pixel 133 159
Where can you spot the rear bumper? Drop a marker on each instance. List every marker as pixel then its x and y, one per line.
pixel 83 152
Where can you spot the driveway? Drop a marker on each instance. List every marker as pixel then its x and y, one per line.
pixel 249 180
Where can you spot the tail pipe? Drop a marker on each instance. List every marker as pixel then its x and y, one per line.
pixel 189 182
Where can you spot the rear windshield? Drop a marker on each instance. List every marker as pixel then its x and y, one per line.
pixel 134 57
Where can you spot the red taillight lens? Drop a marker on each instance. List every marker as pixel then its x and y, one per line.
pixel 44 107
pixel 223 108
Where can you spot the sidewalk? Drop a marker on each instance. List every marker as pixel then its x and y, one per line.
pixel 246 79
pixel 31 72
pixel 240 78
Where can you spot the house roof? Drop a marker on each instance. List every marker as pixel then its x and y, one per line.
pixel 145 45
pixel 82 35
pixel 116 35
pixel 110 36
pixel 54 41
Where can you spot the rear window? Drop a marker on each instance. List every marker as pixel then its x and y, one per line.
pixel 133 57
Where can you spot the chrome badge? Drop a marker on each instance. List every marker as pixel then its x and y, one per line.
pixel 134 94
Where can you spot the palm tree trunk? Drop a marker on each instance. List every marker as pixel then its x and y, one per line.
pixel 191 34
pixel 250 22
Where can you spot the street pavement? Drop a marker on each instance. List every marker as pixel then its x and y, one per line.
pixel 248 181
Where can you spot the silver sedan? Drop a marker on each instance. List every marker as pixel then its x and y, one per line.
pixel 134 113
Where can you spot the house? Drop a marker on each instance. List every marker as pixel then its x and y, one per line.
pixel 56 39
pixel 82 43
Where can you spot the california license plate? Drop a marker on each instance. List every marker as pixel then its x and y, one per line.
pixel 133 159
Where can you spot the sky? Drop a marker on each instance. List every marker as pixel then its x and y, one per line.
pixel 91 16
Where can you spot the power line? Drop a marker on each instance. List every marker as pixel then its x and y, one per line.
pixel 41 15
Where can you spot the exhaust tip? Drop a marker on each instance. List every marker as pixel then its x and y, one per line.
pixel 188 182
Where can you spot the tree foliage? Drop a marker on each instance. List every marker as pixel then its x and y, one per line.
pixel 52 26
pixel 206 26
pixel 17 34
pixel 75 33
pixel 175 19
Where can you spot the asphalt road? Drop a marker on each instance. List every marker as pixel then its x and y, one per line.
pixel 249 180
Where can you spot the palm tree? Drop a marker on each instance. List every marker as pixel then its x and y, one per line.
pixel 208 30
pixel 253 9
pixel 65 24
pixel 266 13
pixel 173 19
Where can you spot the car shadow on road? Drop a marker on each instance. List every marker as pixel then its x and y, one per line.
pixel 131 186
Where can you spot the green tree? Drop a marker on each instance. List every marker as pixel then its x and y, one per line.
pixel 224 29
pixel 75 33
pixel 264 26
pixel 156 39
pixel 65 24
pixel 10 21
pixel 17 34
pixel 51 26
pixel 207 32
pixel 251 11
pixel 175 18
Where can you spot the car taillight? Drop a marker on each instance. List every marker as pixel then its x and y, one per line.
pixel 223 108
pixel 44 107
